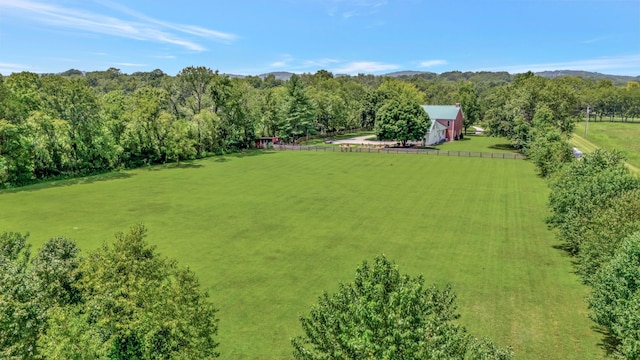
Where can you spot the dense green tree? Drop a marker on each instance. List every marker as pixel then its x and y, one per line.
pixel 195 81
pixel 30 288
pixel 271 107
pixel 135 304
pixel 23 95
pixel 238 119
pixel 19 312
pixel 384 314
pixel 16 163
pixel 299 112
pixel 401 119
pixel 468 99
pixel 393 88
pixel 582 187
pixel 11 108
pixel 148 124
pixel 73 101
pixel 605 231
pixel 615 298
pixel 549 149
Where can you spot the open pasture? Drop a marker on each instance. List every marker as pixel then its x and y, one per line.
pixel 268 232
pixel 623 136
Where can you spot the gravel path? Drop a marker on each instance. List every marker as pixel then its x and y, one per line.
pixel 363 140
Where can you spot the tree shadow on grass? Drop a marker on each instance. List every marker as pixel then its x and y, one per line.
pixel 609 342
pixel 242 154
pixel 115 175
pixel 191 164
pixel 502 147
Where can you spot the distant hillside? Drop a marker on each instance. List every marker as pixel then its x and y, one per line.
pixel 496 77
pixel 280 75
pixel 407 73
pixel 617 79
pixel 504 76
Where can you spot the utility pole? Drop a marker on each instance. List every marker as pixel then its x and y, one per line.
pixel 586 125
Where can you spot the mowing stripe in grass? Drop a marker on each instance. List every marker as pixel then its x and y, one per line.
pixel 268 232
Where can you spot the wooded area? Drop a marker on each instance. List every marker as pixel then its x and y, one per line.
pixel 74 123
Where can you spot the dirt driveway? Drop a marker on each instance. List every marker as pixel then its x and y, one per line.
pixel 363 140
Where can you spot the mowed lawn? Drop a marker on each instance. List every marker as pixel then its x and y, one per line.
pixel 267 233
pixel 623 136
pixel 478 143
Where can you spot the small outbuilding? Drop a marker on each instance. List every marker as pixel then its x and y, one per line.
pixel 266 142
pixel 446 123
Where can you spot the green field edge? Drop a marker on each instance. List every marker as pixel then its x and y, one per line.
pixel 587 146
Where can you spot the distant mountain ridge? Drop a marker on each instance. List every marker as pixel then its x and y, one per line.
pixel 502 76
pixel 618 79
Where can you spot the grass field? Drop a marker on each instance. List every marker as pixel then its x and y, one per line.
pixel 623 136
pixel 481 143
pixel 267 233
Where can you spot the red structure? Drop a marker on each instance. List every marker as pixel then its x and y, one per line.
pixel 449 117
pixel 266 142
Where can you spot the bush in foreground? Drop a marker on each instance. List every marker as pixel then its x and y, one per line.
pixel 615 298
pixel 386 315
pixel 123 301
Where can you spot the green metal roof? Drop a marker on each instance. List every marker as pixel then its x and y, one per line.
pixel 441 112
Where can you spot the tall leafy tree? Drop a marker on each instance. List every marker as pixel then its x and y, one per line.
pixel 384 314
pixel 401 119
pixel 603 235
pixel 298 110
pixel 30 288
pixel 468 99
pixel 16 162
pixel 135 304
pixel 615 298
pixel 195 82
pixel 19 312
pixel 549 149
pixel 582 187
pixel 51 145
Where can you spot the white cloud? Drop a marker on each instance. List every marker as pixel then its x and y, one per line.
pixel 8 68
pixel 141 28
pixel 130 64
pixel 629 64
pixel 430 63
pixel 350 8
pixel 357 67
pixel 278 64
pixel 319 62
pixel 164 56
pixel 594 40
pixel 284 61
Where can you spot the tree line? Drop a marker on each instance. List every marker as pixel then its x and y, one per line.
pixel 595 212
pixel 594 200
pixel 126 301
pixel 74 124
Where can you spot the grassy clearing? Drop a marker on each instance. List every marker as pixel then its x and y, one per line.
pixel 623 136
pixel 268 232
pixel 480 143
pixel 614 135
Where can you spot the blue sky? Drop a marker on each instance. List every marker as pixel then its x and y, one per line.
pixel 252 37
